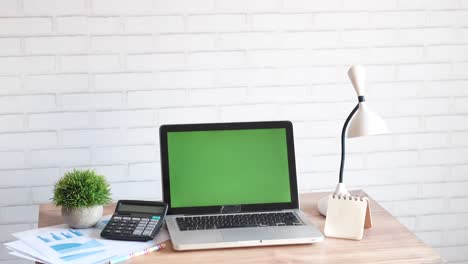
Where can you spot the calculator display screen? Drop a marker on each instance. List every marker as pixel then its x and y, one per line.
pixel 136 208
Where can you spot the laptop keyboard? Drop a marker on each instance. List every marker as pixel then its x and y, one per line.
pixel 236 221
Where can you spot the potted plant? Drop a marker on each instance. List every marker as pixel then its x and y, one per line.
pixel 81 193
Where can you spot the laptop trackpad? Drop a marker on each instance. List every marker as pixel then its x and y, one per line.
pixel 246 234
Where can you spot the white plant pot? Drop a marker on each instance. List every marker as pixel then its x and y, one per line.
pixel 82 217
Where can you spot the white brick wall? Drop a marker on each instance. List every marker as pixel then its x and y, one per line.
pixel 86 84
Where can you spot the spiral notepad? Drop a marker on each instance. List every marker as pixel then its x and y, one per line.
pixel 347 216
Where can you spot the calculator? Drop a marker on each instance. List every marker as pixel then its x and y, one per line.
pixel 135 220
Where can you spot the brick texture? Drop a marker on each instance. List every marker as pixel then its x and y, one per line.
pixel 87 83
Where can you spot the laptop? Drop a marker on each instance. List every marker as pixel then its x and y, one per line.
pixel 232 185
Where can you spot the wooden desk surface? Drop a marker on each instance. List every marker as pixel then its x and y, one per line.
pixel 387 241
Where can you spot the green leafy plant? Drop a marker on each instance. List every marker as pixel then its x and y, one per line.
pixel 81 188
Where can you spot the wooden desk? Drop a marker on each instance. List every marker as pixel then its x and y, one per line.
pixel 387 242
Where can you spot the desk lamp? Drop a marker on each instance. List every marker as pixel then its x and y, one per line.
pixel 362 122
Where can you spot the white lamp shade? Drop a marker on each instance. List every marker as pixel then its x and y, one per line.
pixel 366 123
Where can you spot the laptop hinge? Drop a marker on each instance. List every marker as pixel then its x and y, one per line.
pixel 230 209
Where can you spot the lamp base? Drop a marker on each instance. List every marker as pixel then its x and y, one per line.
pixel 322 204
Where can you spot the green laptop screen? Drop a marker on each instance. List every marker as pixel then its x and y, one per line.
pixel 228 167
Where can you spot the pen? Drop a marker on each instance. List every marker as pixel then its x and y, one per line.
pixel 136 254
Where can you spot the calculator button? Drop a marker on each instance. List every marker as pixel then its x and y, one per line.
pixel 146 233
pixel 127 218
pixel 136 218
pixel 117 232
pixel 117 218
pixel 137 232
pixel 144 219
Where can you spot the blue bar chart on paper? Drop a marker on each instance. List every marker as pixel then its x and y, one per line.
pixel 57 236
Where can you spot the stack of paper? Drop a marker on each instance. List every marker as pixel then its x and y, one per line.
pixel 63 245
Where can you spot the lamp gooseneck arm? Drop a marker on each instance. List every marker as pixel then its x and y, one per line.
pixel 343 136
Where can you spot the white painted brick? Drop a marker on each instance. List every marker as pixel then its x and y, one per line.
pixel 55 45
pixel 305 129
pixel 11 123
pixel 163 61
pixel 10 46
pixel 392 159
pixel 10 85
pixel 422 72
pixel 396 55
pixel 370 5
pixel 54 7
pixel 27 103
pixel 291 40
pixel 89 25
pixel 432 238
pixel 60 157
pixel 321 163
pixel 373 178
pixel 452 254
pixel 145 135
pixel 7 230
pixel 84 101
pixel 341 20
pixel 121 7
pixel 447 53
pixel 125 118
pixel 314 111
pixel 10 8
pixel 184 6
pixel 58 120
pixel 461 105
pixel 15 196
pixel 311 6
pixel 12 159
pixel 281 21
pixel 142 99
pixel 240 6
pixel 188 115
pixel 420 141
pixel 383 142
pixel 445 88
pixel 460 70
pixel 28 140
pixel 91 137
pixel 459 173
pixel 307 182
pixel 443 156
pixel 278 94
pixel 311 146
pixel 216 23
pixel 38 64
pixel 400 90
pixel 417 207
pixel 124 81
pixel 34 177
pixel 145 190
pixel 18 214
pixel 113 173
pixel 41 195
pixel 460 138
pixel 153 24
pixel 370 37
pixel 57 83
pixel 457 237
pixel 422 106
pixel 250 113
pixel 444 189
pixel 145 171
pixel 124 154
pixel 307 75
pixel 89 63
pixel 243 77
pixel 445 123
pixel 202 60
pixel 398 19
pixel 185 79
pixel 448 18
pixel 25 26
pixel 122 43
pixel 457 205
pixel 281 58
pixel 420 174
pixel 421 36
pixel 220 96
pixel 185 42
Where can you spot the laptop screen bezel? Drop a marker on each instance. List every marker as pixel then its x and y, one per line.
pixel 287 125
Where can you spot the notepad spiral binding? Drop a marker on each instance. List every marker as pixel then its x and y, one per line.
pixel 349 197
